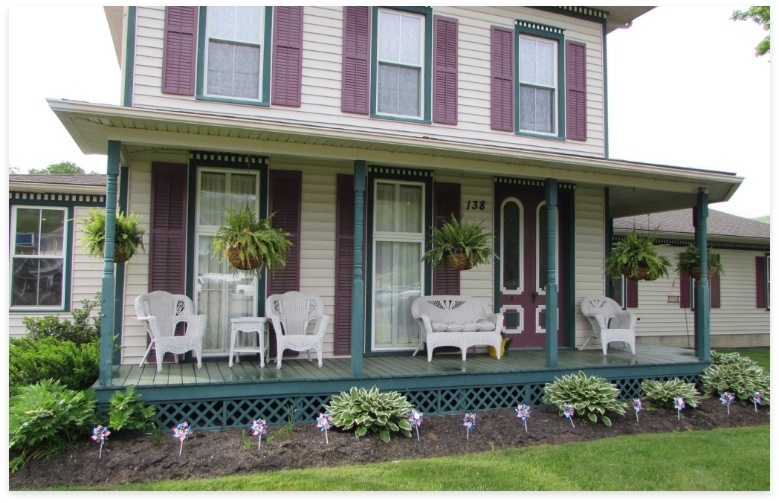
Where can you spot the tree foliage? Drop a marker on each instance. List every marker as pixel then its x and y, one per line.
pixel 762 16
pixel 59 168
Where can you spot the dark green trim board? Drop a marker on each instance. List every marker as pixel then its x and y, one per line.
pixel 604 36
pixel 551 285
pixel 703 314
pixel 568 256
pixel 129 58
pixel 124 177
pixel 109 282
pixel 200 92
pixel 358 280
pixel 608 225
pixel 579 12
pixel 550 32
pixel 427 93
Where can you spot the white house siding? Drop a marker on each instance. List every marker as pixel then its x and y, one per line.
pixel 86 279
pixel 738 323
pixel 589 239
pixel 321 79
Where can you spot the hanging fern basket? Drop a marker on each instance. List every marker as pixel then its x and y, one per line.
pixel 695 272
pixel 121 256
pixel 459 262
pixel 234 257
pixel 642 274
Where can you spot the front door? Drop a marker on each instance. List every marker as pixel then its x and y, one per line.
pixel 522 267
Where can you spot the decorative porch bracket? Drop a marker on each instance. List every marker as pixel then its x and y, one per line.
pixel 703 294
pixel 551 275
pixel 109 281
pixel 358 283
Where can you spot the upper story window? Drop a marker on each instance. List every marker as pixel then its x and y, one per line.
pixel 38 244
pixel 538 84
pixel 400 55
pixel 234 51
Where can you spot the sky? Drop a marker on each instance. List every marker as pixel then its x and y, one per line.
pixel 684 89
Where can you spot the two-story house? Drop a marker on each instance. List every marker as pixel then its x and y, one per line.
pixel 360 128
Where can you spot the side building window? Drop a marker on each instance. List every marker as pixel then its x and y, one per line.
pixel 38 267
pixel 763 281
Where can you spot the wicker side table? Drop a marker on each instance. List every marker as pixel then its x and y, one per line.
pixel 248 325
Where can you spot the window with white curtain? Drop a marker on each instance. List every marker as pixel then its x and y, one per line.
pixel 235 39
pixel 398 244
pixel 222 292
pixel 38 240
pixel 538 84
pixel 400 54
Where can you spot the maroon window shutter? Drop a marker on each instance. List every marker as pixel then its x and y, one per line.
pixel 446 201
pixel 344 264
pixel 179 48
pixel 631 294
pixel 356 56
pixel 287 55
pixel 714 291
pixel 168 228
pixel 684 290
pixel 502 79
pixel 576 90
pixel 760 285
pixel 445 71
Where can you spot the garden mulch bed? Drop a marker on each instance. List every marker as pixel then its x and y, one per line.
pixel 207 454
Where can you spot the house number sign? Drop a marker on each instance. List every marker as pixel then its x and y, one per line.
pixel 475 205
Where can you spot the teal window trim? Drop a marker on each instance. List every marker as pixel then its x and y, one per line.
pixel 129 58
pixel 558 35
pixel 198 160
pixel 200 93
pixel 427 92
pixel 403 174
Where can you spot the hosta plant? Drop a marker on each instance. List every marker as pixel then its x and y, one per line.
pixel 371 411
pixel 591 396
pixel 663 393
pixel 736 374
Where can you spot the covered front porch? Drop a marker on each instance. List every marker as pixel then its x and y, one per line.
pixel 218 396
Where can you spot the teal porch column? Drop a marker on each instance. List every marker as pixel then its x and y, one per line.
pixel 703 294
pixel 358 282
pixel 551 274
pixel 109 281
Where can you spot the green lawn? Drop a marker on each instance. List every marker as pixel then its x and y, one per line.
pixel 761 356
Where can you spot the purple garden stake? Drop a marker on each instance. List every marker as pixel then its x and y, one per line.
pixel 258 430
pixel 678 405
pixel 99 434
pixel 182 432
pixel 415 418
pixel 637 406
pixel 757 398
pixel 469 421
pixel 523 412
pixel 568 411
pixel 323 423
pixel 727 398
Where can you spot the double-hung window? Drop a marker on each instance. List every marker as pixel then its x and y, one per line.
pixel 402 54
pixel 235 54
pixel 38 244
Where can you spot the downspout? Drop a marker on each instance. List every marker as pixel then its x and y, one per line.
pixel 358 283
pixel 109 282
pixel 551 275
pixel 703 304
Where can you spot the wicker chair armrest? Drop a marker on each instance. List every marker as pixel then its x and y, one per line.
pixel 276 323
pixel 424 322
pixel 497 319
pixel 150 324
pixel 321 325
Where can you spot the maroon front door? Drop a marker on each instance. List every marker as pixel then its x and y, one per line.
pixel 522 268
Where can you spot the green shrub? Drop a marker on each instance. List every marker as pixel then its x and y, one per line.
pixel 31 360
pixel 663 393
pixel 126 411
pixel 79 331
pixel 592 396
pixel 737 374
pixel 371 411
pixel 44 418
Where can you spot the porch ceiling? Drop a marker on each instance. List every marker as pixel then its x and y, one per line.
pixel 634 188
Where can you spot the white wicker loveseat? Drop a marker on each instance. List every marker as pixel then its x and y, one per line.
pixel 455 320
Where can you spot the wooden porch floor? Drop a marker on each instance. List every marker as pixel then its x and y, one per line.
pixel 217 372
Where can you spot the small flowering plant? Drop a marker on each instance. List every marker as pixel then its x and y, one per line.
pixel 469 421
pixel 182 432
pixel 258 430
pixel 99 435
pixel 415 418
pixel 523 412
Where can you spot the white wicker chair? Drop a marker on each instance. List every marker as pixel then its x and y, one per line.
pixel 610 323
pixel 291 314
pixel 160 313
